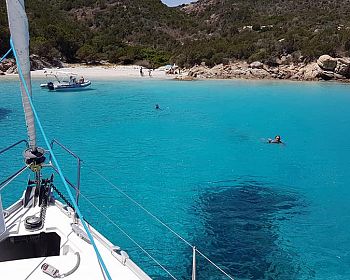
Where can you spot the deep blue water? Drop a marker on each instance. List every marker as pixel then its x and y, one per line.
pixel 202 165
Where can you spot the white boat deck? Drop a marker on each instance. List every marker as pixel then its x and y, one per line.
pixel 59 220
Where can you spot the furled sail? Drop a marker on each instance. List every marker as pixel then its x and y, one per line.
pixel 18 23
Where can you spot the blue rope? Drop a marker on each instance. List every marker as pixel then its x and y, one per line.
pixel 57 165
pixel 6 54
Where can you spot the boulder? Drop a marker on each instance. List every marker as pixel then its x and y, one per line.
pixel 6 64
pixel 327 62
pixel 343 67
pixel 326 75
pixel 217 69
pixel 260 73
pixel 37 63
pixel 12 70
pixel 256 65
pixel 285 60
pixel 311 71
pixel 184 78
pixel 238 72
pixel 1 73
pixel 198 71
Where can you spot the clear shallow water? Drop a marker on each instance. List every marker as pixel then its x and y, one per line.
pixel 201 165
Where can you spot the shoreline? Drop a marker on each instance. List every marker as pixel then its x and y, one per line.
pixel 197 73
pixel 96 72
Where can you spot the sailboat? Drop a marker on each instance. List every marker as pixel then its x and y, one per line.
pixel 42 237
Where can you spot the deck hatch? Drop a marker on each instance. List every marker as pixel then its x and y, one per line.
pixel 30 246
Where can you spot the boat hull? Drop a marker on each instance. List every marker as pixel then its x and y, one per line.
pixel 67 87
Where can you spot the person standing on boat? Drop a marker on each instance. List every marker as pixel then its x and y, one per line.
pixel 81 80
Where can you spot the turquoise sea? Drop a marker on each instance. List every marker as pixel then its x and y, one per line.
pixel 202 166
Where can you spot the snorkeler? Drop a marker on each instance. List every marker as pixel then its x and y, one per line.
pixel 277 140
pixel 157 107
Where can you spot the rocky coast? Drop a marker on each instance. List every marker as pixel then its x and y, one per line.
pixel 325 68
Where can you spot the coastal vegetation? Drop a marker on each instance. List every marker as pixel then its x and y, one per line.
pixel 149 33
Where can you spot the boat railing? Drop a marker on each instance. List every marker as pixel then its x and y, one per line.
pixel 76 187
pixel 12 177
pixel 194 249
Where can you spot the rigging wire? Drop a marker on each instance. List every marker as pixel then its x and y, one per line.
pixel 5 55
pixel 127 235
pixel 142 207
pixel 20 73
pixel 153 216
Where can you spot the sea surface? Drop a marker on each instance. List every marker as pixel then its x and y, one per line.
pixel 202 166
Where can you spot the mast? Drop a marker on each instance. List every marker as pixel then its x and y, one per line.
pixel 18 24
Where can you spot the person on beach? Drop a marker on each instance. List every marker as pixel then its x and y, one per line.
pixel 141 72
pixel 277 140
pixel 150 72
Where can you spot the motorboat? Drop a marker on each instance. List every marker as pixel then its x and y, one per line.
pixel 65 81
pixel 44 233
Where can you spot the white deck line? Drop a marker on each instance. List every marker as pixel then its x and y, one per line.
pixel 57 220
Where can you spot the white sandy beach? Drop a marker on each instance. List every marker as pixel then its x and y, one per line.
pixel 100 72
pixel 105 72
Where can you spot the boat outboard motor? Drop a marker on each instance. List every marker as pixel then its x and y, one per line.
pixel 50 86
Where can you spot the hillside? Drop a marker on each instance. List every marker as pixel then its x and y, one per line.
pixel 266 29
pixel 210 31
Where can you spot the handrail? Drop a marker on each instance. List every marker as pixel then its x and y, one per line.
pixel 64 147
pixel 67 180
pixel 77 187
pixel 14 145
pixel 7 181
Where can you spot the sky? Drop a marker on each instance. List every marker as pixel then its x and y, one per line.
pixel 173 3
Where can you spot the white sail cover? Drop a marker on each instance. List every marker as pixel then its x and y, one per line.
pixel 18 23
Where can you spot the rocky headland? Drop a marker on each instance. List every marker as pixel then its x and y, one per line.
pixel 325 68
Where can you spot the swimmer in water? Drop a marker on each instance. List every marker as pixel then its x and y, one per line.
pixel 277 140
pixel 157 107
